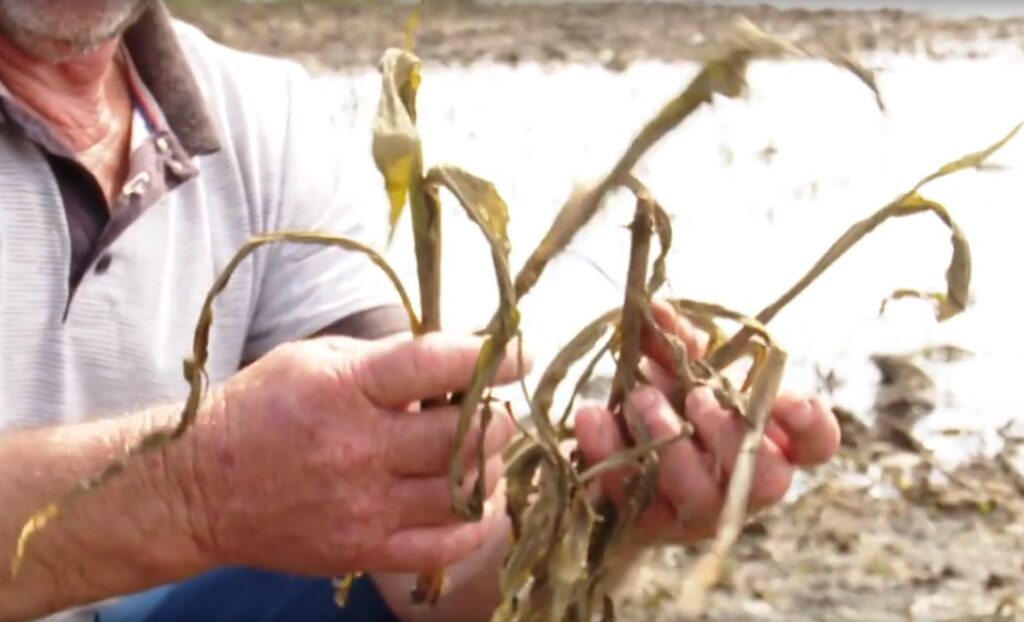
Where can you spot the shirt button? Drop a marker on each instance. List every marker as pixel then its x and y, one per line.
pixel 104 263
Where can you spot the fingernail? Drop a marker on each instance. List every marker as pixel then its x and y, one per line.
pixel 699 400
pixel 800 416
pixel 644 398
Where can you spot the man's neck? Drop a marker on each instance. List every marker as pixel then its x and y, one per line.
pixel 84 101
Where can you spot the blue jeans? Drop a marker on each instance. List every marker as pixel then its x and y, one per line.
pixel 243 595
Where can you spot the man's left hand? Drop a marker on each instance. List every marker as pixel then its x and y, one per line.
pixel 694 472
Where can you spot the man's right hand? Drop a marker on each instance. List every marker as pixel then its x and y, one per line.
pixel 311 461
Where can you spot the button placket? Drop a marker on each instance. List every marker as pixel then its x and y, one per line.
pixel 163 147
pixel 136 186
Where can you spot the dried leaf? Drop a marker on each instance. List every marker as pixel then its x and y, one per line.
pixel 396 144
pixel 519 482
pixel 631 455
pixel 971 160
pixel 484 206
pixel 958 274
pixel 662 226
pixel 558 368
pixel 706 572
pixel 722 75
pixel 342 587
pixel 538 533
pixel 582 380
pixel 569 562
pixel 481 201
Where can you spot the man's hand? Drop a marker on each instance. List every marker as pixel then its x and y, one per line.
pixel 694 473
pixel 311 462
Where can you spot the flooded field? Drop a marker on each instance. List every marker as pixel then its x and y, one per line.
pixel 758 189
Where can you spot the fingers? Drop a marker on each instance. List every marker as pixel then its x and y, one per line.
pixel 397 371
pixel 657 377
pixel 598 438
pixel 426 501
pixel 423 443
pixel 721 432
pixel 674 324
pixel 685 476
pixel 431 549
pixel 693 473
pixel 810 427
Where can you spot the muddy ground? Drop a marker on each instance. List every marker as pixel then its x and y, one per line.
pixel 887 532
pixel 856 551
pixel 880 535
pixel 328 35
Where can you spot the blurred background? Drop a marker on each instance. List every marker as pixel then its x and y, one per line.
pixel 538 97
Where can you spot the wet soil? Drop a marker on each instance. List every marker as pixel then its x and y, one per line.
pixel 851 550
pixel 332 35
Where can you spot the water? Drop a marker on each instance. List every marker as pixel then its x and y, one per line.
pixel 745 228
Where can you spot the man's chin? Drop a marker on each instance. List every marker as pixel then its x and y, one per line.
pixel 55 51
pixel 52 40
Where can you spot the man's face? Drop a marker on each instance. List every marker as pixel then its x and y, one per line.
pixel 58 30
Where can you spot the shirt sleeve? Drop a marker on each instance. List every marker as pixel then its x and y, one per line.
pixel 304 288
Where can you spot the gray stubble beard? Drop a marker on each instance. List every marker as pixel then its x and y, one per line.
pixel 58 30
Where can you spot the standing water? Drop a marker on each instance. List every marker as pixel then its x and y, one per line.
pixel 758 189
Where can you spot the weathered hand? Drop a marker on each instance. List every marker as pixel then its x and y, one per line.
pixel 310 461
pixel 694 472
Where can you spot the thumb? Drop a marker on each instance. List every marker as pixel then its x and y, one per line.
pixel 394 372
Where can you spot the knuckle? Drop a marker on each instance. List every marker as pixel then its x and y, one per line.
pixel 364 375
pixel 429 355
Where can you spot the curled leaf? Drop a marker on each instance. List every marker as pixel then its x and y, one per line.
pixel 971 160
pixel 396 146
pixel 583 379
pixel 958 274
pixel 484 206
pixel 539 523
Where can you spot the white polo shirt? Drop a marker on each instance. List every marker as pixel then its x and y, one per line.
pixel 114 342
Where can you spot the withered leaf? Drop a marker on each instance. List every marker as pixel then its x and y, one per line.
pixel 484 206
pixel 707 570
pixel 396 147
pixel 958 274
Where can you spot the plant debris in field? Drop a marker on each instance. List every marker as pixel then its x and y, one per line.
pixel 850 550
pixel 563 537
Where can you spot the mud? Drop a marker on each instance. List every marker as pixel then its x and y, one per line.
pixel 339 35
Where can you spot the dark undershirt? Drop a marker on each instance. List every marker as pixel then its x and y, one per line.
pixel 86 211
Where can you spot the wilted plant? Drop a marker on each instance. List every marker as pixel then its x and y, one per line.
pixel 563 539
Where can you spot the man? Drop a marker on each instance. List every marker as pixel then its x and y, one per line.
pixel 136 156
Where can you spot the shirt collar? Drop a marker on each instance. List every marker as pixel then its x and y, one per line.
pixel 161 65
